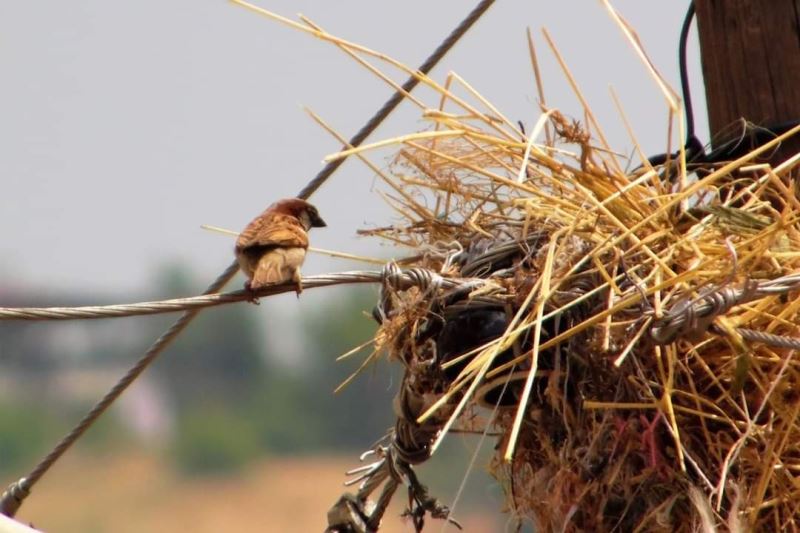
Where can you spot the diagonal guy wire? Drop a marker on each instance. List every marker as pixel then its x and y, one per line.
pixel 13 497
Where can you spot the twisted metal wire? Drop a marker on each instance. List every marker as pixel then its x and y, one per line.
pixel 408 443
pixel 692 318
pixel 179 304
pixel 770 339
pixel 422 278
pixel 14 496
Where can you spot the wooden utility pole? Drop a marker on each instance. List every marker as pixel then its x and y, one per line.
pixel 751 64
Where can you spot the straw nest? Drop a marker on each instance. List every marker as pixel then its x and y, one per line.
pixel 623 403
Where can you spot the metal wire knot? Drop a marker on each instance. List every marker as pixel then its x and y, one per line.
pixel 13 496
pixel 692 318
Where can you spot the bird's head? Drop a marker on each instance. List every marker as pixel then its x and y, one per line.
pixel 306 213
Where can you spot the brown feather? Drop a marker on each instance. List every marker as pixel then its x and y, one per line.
pixel 273 229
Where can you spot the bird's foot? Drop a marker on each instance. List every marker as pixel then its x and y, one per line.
pixel 299 287
pixel 251 293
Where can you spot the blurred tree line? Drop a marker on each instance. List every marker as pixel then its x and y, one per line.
pixel 232 401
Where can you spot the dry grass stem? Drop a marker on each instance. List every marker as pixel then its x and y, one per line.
pixel 603 424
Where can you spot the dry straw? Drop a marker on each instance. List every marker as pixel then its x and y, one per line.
pixel 606 423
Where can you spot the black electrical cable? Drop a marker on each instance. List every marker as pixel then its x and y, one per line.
pixel 693 147
pixel 750 138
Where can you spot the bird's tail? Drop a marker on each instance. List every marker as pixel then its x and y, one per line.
pixel 268 272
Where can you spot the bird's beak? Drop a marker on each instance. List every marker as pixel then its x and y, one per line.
pixel 317 222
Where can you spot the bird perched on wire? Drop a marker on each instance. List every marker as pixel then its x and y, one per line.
pixel 272 248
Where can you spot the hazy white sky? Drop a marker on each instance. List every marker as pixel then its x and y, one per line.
pixel 126 125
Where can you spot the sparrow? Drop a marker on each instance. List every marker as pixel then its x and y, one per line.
pixel 272 248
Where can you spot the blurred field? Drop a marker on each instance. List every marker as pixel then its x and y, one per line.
pixel 137 492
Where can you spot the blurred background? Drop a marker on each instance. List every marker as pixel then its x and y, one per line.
pixel 124 126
